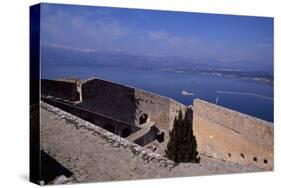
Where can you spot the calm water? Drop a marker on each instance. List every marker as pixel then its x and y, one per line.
pixel 172 84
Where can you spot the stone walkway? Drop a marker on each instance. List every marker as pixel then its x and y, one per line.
pixel 93 154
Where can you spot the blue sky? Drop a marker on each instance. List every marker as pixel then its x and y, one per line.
pixel 211 38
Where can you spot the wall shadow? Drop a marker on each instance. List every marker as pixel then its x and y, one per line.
pixel 50 168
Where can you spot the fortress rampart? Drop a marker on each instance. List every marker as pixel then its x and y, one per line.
pixel 130 104
pixel 220 133
pixel 232 136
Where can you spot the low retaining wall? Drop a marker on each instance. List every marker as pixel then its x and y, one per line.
pixel 60 89
pixel 232 136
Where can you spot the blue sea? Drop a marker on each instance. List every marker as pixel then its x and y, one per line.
pixel 259 103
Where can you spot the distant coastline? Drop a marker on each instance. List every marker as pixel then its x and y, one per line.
pixel 175 64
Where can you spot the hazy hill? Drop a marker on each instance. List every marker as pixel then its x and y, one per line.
pixel 54 56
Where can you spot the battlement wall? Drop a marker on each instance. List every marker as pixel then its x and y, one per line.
pixel 221 133
pixel 232 136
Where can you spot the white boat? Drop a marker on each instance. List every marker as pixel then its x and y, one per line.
pixel 186 93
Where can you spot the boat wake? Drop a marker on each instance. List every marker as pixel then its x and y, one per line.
pixel 249 94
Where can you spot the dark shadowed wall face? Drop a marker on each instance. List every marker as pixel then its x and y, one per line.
pixel 60 89
pixel 110 99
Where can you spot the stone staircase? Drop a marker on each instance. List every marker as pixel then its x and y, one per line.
pixel 144 136
pixel 145 128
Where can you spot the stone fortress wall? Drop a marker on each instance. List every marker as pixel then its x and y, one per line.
pixel 108 98
pixel 130 105
pixel 220 133
pixel 232 136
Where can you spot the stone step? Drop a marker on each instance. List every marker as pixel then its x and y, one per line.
pixel 146 127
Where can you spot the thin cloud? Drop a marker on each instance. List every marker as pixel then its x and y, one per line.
pixel 97 29
pixel 61 46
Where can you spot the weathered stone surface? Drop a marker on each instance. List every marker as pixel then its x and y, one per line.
pixel 94 154
pixel 232 136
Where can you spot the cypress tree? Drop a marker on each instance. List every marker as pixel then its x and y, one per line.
pixel 182 144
